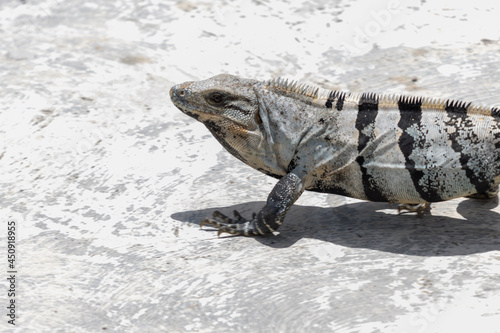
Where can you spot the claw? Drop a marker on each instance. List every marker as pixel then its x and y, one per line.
pixel 221 230
pixel 221 216
pixel 205 222
pixel 237 215
pixel 413 208
pixel 237 226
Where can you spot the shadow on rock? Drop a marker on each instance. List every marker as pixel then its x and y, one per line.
pixel 359 225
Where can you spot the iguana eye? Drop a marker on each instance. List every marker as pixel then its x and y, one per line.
pixel 216 98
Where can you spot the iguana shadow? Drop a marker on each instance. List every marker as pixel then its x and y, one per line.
pixel 362 225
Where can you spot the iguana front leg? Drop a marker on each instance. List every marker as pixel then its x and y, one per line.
pixel 269 219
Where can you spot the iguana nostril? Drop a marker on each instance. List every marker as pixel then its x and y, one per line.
pixel 178 92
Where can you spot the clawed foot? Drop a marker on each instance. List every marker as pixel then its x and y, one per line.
pixel 488 194
pixel 236 226
pixel 413 208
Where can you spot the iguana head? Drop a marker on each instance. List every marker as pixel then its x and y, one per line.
pixel 222 98
pixel 229 108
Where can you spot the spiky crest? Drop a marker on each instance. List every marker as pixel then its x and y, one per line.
pixel 287 86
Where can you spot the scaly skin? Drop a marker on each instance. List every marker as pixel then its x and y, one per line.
pixel 400 149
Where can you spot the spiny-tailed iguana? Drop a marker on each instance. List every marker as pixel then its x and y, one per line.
pixel 400 149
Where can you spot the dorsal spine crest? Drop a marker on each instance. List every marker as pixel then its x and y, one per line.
pixel 291 87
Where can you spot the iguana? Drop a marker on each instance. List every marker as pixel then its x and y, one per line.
pixel 389 148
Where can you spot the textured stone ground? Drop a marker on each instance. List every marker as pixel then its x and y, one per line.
pixel 107 181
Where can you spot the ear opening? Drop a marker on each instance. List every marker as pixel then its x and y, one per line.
pixel 258 120
pixel 261 116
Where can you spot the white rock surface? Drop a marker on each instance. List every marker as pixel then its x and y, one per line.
pixel 107 181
